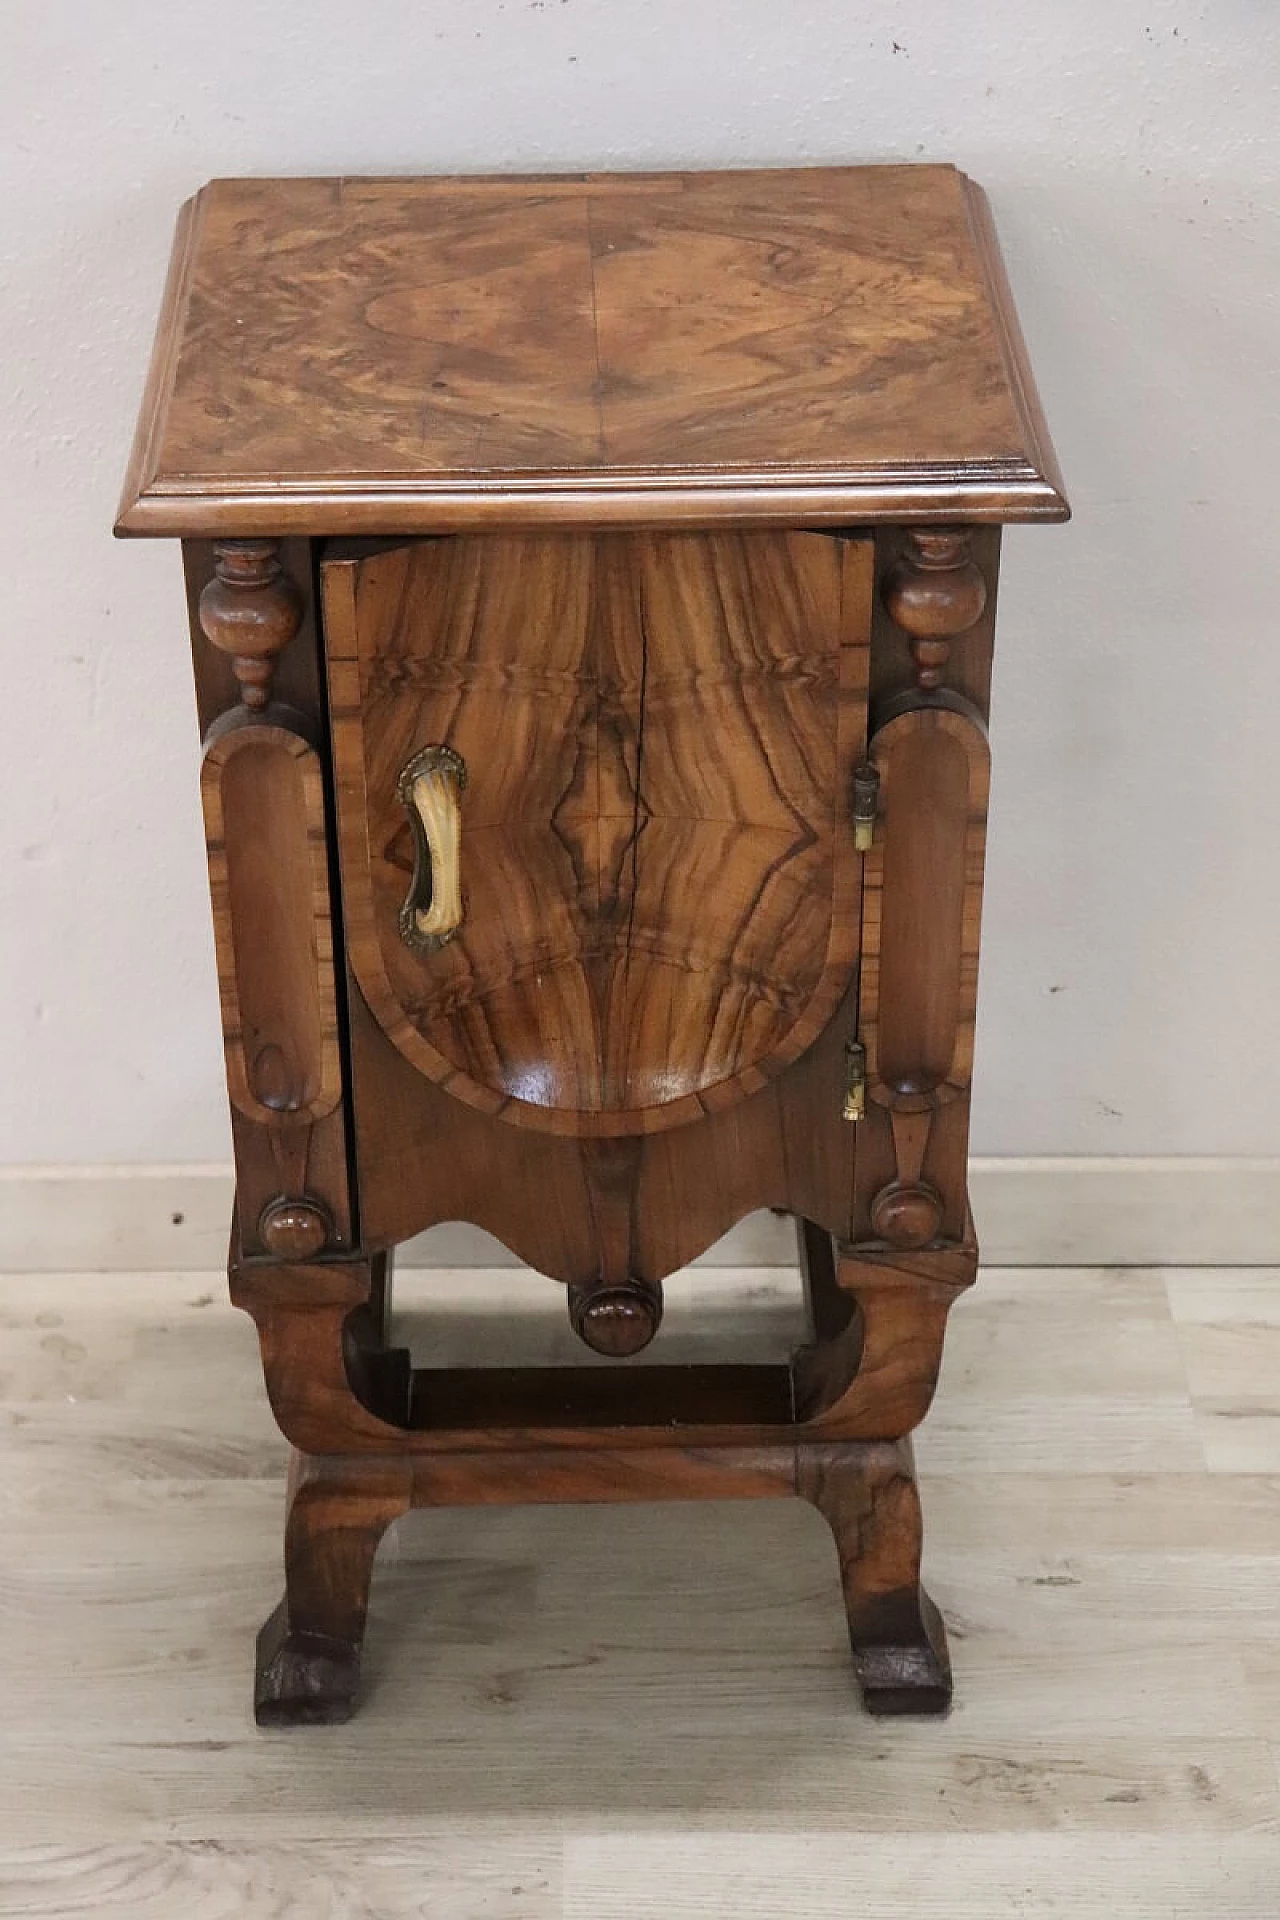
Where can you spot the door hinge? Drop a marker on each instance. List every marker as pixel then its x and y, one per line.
pixel 866 805
pixel 855 1081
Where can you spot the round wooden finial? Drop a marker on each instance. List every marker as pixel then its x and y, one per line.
pixel 906 1214
pixel 617 1321
pixel 294 1229
pixel 251 610
pixel 934 593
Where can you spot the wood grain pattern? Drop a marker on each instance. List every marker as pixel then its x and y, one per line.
pixel 660 732
pixel 292 1879
pixel 388 356
pixel 784 1146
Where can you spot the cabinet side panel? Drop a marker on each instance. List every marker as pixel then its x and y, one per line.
pixel 923 901
pixel 270 871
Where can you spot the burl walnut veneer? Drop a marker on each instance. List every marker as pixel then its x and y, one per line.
pixel 591 586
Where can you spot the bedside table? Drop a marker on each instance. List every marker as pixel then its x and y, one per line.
pixel 591 586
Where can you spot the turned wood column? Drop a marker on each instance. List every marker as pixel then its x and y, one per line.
pixel 250 610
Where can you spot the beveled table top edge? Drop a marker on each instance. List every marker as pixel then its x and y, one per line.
pixel 193 506
pixel 391 505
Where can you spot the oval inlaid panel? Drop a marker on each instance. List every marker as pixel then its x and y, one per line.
pixel 268 864
pixel 660 892
pixel 922 905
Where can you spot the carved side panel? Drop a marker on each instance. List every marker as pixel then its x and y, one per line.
pixel 262 789
pixel 268 873
pixel 922 907
pixel 923 889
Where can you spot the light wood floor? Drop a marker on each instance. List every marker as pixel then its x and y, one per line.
pixel 647 1711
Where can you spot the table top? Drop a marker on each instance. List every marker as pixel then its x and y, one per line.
pixel 810 346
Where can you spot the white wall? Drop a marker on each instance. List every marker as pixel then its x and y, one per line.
pixel 1132 154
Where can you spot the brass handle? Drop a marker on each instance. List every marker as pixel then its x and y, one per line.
pixel 430 787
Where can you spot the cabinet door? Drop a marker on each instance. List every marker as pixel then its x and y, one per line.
pixel 593 799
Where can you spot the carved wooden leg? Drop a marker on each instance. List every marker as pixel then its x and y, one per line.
pixel 309 1649
pixel 903 1300
pixel 867 1493
pixel 824 1370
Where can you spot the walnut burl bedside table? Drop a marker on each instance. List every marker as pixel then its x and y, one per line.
pixel 591 585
